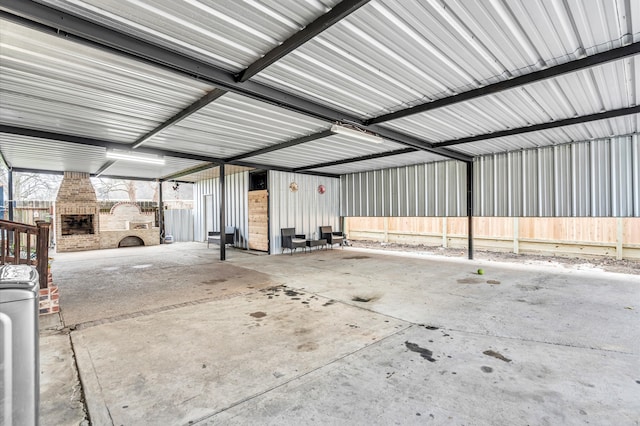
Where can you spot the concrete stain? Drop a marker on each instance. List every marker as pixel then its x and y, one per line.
pixel 493 282
pixel 215 281
pixel 308 347
pixel 469 281
pixel 329 303
pixel 496 355
pixel 529 287
pixel 361 299
pixel 486 369
pixel 424 353
pixel 356 257
pixel 258 314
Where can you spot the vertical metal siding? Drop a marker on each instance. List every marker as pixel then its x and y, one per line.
pixel 585 179
pixel 305 209
pixel 433 189
pixel 207 203
pixel 179 224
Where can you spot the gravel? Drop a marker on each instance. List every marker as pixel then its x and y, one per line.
pixel 606 264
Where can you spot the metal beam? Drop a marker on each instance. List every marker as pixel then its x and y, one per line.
pixel 189 171
pixel 282 169
pixel 80 140
pixel 339 12
pixel 104 167
pixel 543 126
pixel 40 171
pixel 287 144
pixel 200 103
pixel 10 193
pixel 470 209
pixel 3 160
pixel 551 72
pixel 61 24
pixel 356 159
pixel 411 141
pixel 223 220
pixel 160 213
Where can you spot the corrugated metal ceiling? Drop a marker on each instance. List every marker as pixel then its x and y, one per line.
pixel 55 85
pixel 44 154
pixel 234 125
pixel 386 56
pixel 230 34
pixel 327 149
pixel 591 91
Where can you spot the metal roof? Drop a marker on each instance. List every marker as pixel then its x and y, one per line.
pixel 80 76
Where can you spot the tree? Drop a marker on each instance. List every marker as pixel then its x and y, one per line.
pixel 30 186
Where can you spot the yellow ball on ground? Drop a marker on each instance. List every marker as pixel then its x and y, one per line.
pixel 480 271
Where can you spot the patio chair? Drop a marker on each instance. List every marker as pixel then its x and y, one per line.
pixel 291 240
pixel 331 237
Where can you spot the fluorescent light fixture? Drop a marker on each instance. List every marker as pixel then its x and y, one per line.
pixel 356 133
pixel 138 157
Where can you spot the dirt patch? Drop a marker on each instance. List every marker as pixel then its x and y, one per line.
pixel 494 282
pixel 598 263
pixel 258 314
pixel 486 369
pixel 356 257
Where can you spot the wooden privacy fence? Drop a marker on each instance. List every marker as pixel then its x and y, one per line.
pixel 26 244
pixel 563 236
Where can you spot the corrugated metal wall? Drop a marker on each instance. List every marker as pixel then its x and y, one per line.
pixel 586 179
pixel 433 189
pixel 305 209
pixel 179 224
pixel 207 206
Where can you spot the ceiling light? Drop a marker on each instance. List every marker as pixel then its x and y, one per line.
pixel 134 156
pixel 356 133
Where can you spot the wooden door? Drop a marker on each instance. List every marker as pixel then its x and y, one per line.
pixel 259 220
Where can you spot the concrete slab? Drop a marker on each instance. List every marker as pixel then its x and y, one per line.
pixel 546 304
pixel 109 284
pixel 61 393
pixel 190 340
pixel 453 382
pixel 187 364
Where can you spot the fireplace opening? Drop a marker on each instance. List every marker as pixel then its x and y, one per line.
pixel 77 224
pixel 131 241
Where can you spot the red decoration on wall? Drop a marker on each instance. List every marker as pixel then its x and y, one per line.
pixel 322 189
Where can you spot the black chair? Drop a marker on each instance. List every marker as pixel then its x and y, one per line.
pixel 229 236
pixel 291 240
pixel 332 237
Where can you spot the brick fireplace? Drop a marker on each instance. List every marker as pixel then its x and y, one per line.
pixel 77 214
pixel 81 226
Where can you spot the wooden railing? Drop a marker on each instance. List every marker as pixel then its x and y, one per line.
pixel 26 244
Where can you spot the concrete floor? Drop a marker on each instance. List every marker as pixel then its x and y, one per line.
pixel 169 335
